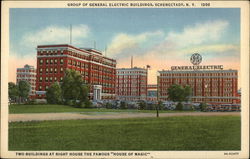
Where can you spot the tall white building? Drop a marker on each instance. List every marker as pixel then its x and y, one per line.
pixel 27 73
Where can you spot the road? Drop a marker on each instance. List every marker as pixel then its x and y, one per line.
pixel 106 115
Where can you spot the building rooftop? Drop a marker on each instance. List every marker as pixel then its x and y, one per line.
pixel 27 67
pixel 134 68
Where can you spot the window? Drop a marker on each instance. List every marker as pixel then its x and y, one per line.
pixel 61 79
pixel 47 61
pixel 51 70
pixel 61 69
pixel 41 70
pixel 61 61
pixel 55 61
pixel 47 70
pixel 40 88
pixel 46 87
pixel 50 79
pixel 51 61
pixel 41 61
pixel 46 79
pixel 55 79
pixel 55 70
pixel 41 79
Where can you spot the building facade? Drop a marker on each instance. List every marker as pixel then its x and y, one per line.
pixel 131 84
pixel 27 73
pixel 96 69
pixel 152 92
pixel 210 86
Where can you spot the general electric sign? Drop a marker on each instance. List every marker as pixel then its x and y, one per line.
pixel 196 60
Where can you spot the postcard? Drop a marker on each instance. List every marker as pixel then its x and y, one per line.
pixel 125 79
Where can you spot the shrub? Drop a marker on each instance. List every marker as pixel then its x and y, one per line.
pixel 179 106
pixel 123 105
pixel 31 102
pixel 203 107
pixel 88 104
pixel 142 105
pixel 108 105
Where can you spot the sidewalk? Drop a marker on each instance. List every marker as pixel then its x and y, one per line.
pixel 75 116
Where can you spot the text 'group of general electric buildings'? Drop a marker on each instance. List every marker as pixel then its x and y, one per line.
pixel 210 84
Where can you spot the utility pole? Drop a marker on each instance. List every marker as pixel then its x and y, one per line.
pixel 106 50
pixel 94 44
pixel 70 34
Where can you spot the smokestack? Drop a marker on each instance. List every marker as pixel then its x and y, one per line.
pixel 131 61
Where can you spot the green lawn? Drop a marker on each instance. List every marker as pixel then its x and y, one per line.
pixel 170 133
pixel 15 109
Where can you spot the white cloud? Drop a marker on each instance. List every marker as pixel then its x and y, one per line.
pixel 198 37
pixel 55 35
pixel 198 34
pixel 217 48
pixel 123 42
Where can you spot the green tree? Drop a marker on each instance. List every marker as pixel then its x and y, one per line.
pixel 54 94
pixel 23 90
pixel 13 91
pixel 187 93
pixel 73 88
pixel 84 101
pixel 177 93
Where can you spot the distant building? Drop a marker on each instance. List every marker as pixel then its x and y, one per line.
pixel 210 86
pixel 27 73
pixel 152 92
pixel 131 84
pixel 210 83
pixel 96 69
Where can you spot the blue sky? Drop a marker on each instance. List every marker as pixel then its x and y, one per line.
pixel 160 37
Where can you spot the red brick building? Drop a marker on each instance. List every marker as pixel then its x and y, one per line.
pixel 97 70
pixel 27 73
pixel 152 92
pixel 131 84
pixel 210 86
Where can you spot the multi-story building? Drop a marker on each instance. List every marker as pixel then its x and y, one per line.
pixel 27 73
pixel 131 84
pixel 96 69
pixel 152 92
pixel 210 86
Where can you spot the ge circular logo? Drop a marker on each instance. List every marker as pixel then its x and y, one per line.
pixel 196 59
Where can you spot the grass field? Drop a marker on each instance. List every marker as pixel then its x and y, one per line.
pixel 170 133
pixel 15 109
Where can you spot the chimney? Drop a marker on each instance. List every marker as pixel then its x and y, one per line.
pixel 131 61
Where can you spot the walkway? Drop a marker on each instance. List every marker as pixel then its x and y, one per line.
pixel 106 115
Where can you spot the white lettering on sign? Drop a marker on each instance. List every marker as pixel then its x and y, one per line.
pixel 207 67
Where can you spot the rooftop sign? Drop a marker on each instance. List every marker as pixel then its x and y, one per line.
pixel 208 67
pixel 196 60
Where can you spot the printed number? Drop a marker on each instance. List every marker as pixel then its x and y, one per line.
pixel 205 4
